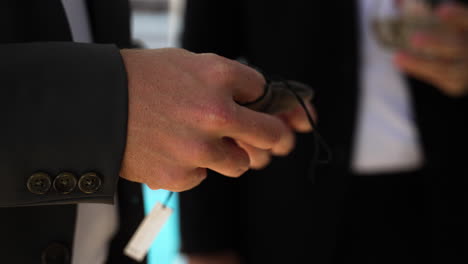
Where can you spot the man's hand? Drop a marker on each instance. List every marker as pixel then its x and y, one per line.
pixel 184 118
pixel 446 64
pixel 296 119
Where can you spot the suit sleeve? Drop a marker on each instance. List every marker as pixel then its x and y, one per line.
pixel 63 112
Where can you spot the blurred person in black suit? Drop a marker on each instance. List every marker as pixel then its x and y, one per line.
pixel 397 126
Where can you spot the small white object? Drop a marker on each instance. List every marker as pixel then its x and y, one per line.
pixel 140 243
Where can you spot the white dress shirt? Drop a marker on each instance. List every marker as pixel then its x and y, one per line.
pixel 96 224
pixel 78 19
pixel 386 137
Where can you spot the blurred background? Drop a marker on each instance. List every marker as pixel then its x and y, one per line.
pixel 390 216
pixel 393 191
pixel 156 24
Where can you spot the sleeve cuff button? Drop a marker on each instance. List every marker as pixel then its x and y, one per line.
pixel 89 183
pixel 39 183
pixel 65 183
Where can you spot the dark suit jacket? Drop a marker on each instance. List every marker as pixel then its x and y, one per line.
pixel 63 109
pixel 278 215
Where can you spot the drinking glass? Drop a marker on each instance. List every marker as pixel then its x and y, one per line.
pixel 394 22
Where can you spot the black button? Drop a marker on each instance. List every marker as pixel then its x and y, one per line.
pixel 89 183
pixel 39 183
pixel 56 254
pixel 65 183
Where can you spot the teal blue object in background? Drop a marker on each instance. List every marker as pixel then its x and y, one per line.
pixel 165 249
pixel 152 28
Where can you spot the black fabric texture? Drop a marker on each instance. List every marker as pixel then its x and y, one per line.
pixel 28 231
pixel 110 20
pixel 63 108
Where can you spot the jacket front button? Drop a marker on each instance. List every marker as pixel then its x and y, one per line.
pixel 89 183
pixel 39 183
pixel 65 183
pixel 56 254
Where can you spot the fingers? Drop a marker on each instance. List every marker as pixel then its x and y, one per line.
pixel 455 14
pixel 440 56
pixel 259 158
pixel 440 47
pixel 221 155
pixel 285 145
pixel 245 83
pixel 449 77
pixel 419 67
pixel 225 157
pixel 249 85
pixel 297 118
pixel 261 131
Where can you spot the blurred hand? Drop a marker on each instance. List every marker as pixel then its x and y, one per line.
pixel 447 63
pixel 224 258
pixel 184 119
pixel 296 120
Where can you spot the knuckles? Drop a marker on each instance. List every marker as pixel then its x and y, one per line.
pixel 217 116
pixel 219 72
